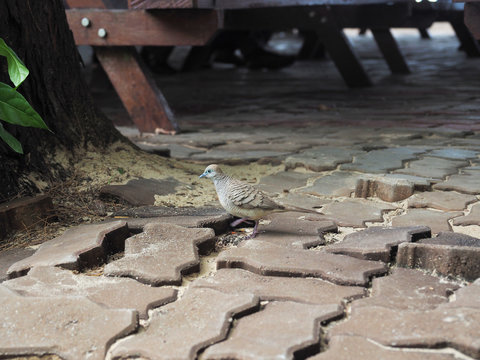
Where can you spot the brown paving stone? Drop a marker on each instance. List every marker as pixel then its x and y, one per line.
pixel 78 247
pixel 435 220
pixel 9 257
pixel 432 167
pixel 138 192
pixel 321 159
pixel 160 254
pixel 473 218
pixel 452 239
pixel 382 161
pixel 301 230
pixel 441 200
pixel 407 289
pixel 361 348
pixel 269 259
pixel 283 181
pixel 303 200
pixel 179 330
pixel 277 288
pixel 70 327
pixel 467 182
pixel 356 212
pixel 444 326
pixel 339 183
pixel 376 243
pixel 116 293
pixel 463 261
pixel 386 189
pixel 257 336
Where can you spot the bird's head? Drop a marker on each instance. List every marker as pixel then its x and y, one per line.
pixel 212 171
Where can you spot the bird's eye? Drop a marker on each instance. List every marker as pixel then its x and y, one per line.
pixel 209 171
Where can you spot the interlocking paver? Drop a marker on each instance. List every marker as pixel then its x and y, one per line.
pixel 301 230
pixel 116 293
pixel 376 243
pixel 279 288
pixel 138 192
pixel 382 161
pixel 452 239
pixel 441 200
pixel 321 159
pixel 339 183
pixel 387 189
pixel 232 156
pixel 269 259
pixel 346 346
pixel 420 183
pixel 463 261
pixel 453 153
pixel 257 336
pixel 456 327
pixel 303 200
pixel 179 330
pixel 431 167
pixel 408 289
pixel 160 254
pixel 70 327
pixel 9 257
pixel 473 217
pixel 435 220
pixel 78 247
pixel 356 212
pixel 283 181
pixel 467 182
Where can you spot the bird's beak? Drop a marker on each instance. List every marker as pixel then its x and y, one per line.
pixel 202 175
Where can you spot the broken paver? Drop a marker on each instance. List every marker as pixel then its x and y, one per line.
pixel 382 161
pixel 339 183
pixel 283 181
pixel 455 327
pixel 473 218
pixel 301 230
pixel 356 212
pixel 269 259
pixel 463 261
pixel 431 167
pixel 279 288
pixel 441 200
pixel 376 243
pixel 408 289
pixel 78 247
pixel 70 327
pixel 343 346
pixel 321 159
pixel 161 254
pixel 138 192
pixel 116 293
pixel 435 220
pixel 386 189
pixel 257 336
pixel 179 330
pixel 467 182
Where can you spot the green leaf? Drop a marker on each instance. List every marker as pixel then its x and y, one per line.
pixel 10 140
pixel 16 69
pixel 15 109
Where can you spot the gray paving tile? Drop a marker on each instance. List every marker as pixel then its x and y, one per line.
pixel 431 167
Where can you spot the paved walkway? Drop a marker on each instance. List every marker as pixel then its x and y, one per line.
pixel 388 269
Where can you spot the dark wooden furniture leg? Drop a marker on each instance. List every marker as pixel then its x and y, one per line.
pixel 467 41
pixel 136 88
pixel 341 52
pixel 389 48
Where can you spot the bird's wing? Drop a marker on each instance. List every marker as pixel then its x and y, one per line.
pixel 246 196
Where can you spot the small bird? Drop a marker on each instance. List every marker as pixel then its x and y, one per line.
pixel 244 200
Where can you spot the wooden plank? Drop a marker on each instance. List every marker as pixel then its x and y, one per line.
pixel 390 50
pixel 84 4
pixel 136 88
pixel 171 4
pixel 139 27
pixel 249 4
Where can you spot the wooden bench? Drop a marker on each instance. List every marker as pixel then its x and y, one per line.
pixel 114 27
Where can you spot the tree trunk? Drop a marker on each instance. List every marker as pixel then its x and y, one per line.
pixel 38 32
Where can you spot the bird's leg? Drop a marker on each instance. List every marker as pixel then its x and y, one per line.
pixel 238 222
pixel 254 233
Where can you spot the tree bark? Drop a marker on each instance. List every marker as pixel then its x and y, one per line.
pixel 38 32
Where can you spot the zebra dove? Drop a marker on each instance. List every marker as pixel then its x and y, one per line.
pixel 243 200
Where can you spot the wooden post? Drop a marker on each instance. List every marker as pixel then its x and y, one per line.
pixel 389 48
